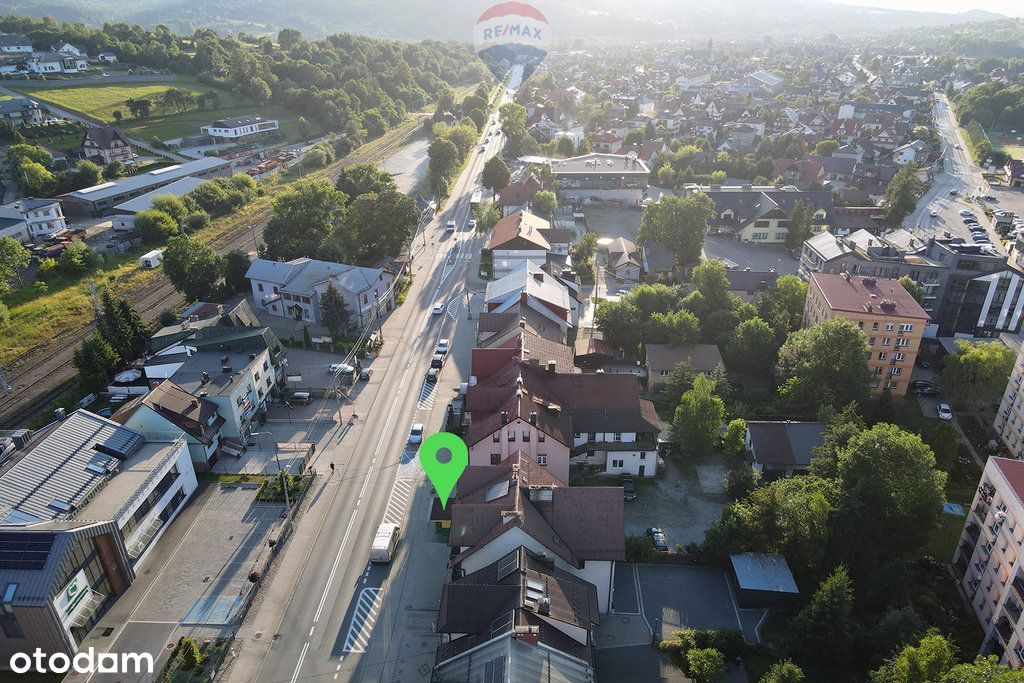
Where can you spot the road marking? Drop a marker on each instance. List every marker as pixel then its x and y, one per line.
pixel 398 501
pixel 311 631
pixel 334 569
pixel 298 664
pixel 427 395
pixel 363 618
pixel 454 306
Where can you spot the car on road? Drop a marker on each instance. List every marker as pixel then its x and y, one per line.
pixel 471 223
pixel 449 226
pixel 437 360
pixel 622 292
pixel 629 488
pixel 658 539
pixel 930 392
pixel 438 308
pixel 433 374
pixel 954 193
pixel 416 433
pixel 483 149
pixel 990 198
pixel 443 346
pixel 366 374
pixel 922 384
pixel 944 412
pixel 959 147
pixel 966 212
pixel 934 214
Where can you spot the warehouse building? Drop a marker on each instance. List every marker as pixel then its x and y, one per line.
pixel 81 505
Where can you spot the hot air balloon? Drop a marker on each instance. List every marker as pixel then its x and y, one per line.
pixel 512 34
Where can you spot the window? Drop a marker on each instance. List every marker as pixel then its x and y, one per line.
pixel 526 437
pixel 364 299
pixel 542 459
pixel 495 458
pixel 275 290
pixel 617 463
pixel 886 341
pixel 617 437
pixel 906 327
pixel 892 385
pixel 871 341
pixel 511 436
pixel 889 327
pixel 878 370
pixel 895 371
pixel 496 438
pixel 11 627
pixel 257 376
pixel 643 455
pixel 903 342
pixel 664 373
pixel 540 437
pixel 259 286
pixel 899 356
pixel 761 224
pixel 881 355
pixel 860 325
pixel 874 327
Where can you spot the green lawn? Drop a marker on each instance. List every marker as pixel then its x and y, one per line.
pixel 100 100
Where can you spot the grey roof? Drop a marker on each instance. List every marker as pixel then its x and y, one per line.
pixel 840 165
pixel 219 383
pixel 302 275
pixel 700 357
pixel 104 136
pixel 529 278
pixel 151 180
pixel 750 280
pixel 247 120
pixel 604 164
pixel 763 572
pixel 17 105
pixel 13 39
pixel 827 246
pixel 144 202
pixel 509 658
pixel 55 469
pixel 750 204
pixel 785 443
pixel 30 203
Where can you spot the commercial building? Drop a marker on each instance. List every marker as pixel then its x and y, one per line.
pixel 80 508
pixel 988 559
pixel 124 213
pixel 890 317
pixel 602 176
pixel 99 200
pixel 240 128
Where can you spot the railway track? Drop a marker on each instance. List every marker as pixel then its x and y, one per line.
pixel 44 373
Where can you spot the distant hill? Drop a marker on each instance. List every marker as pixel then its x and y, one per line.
pixel 416 20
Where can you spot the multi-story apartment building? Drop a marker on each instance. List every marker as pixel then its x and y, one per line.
pixel 1009 422
pixel 988 560
pixel 890 317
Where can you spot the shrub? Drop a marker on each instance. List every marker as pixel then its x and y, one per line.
pixel 639 549
pixel 705 664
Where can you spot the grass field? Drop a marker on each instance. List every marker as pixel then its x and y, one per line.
pixel 100 100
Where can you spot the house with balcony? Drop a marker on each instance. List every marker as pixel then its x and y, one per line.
pixel 105 145
pixel 988 560
pixel 42 217
pixel 21 111
pixel 761 214
pixel 890 317
pixel 293 289
pixel 1009 420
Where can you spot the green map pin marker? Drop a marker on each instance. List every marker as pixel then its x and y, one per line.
pixel 444 475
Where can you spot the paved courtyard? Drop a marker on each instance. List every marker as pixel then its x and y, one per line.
pixel 761 257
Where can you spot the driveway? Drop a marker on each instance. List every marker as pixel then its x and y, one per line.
pixel 677 503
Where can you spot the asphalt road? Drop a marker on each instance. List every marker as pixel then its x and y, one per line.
pixel 315 640
pixel 959 173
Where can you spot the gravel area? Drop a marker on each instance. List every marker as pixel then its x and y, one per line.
pixel 677 504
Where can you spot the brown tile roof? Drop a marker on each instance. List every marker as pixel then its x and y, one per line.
pixel 185 411
pixel 520 230
pixel 854 294
pixel 578 523
pixel 520 192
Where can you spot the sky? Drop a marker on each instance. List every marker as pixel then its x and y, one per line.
pixel 1012 8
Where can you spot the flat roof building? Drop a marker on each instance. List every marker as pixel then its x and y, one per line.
pixel 100 200
pixel 621 177
pixel 80 509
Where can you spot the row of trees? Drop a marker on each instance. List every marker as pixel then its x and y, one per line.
pixel 120 336
pixel 170 215
pixel 33 168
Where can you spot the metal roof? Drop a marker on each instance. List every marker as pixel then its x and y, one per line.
pixel 302 275
pixel 763 572
pixel 61 471
pixel 153 179
pixel 144 202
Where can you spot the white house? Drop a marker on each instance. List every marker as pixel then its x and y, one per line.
pixel 240 127
pixel 293 289
pixel 915 152
pixel 42 217
pixel 693 80
pixel 107 57
pixel 11 43
pixel 56 62
pixel 69 48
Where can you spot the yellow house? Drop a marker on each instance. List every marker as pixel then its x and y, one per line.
pixel 761 214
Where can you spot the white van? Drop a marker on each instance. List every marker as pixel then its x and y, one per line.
pixel 384 543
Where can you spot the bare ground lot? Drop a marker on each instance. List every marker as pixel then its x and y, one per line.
pixel 677 503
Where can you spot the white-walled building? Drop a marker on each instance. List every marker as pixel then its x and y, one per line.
pixel 1009 421
pixel 11 43
pixel 240 127
pixel 41 217
pixel 988 560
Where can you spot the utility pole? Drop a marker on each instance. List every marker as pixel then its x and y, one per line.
pixel 380 324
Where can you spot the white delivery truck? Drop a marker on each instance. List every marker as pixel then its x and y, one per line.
pixel 384 543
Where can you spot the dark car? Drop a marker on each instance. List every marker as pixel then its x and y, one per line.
pixel 658 539
pixel 365 374
pixel 921 384
pixel 629 489
pixel 437 361
pixel 928 391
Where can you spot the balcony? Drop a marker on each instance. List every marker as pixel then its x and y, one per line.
pixel 962 565
pixel 1018 586
pixel 1005 629
pixel 973 532
pixel 980 511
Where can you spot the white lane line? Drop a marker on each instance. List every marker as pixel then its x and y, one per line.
pixel 363 618
pixel 334 568
pixel 298 664
pixel 311 631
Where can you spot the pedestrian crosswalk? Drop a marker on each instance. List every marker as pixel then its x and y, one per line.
pixel 363 618
pixel 398 501
pixel 428 393
pixel 454 306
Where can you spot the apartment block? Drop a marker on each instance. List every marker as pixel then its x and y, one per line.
pixel 988 559
pixel 1009 422
pixel 890 317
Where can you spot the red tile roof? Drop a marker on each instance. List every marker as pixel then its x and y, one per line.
pixel 1013 472
pixel 520 192
pixel 854 294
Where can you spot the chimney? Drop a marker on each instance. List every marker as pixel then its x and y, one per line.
pixel 504 417
pixel 544 606
pixel 522 323
pixel 533 417
pixel 551 367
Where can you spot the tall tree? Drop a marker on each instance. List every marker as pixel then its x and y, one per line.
pixel 977 372
pixel 155 227
pixel 545 203
pixel 901 196
pixel 362 178
pixel 495 175
pixel 824 624
pixel 925 662
pixel 823 365
pixel 13 257
pixel 377 226
pixel 697 424
pixel 334 312
pixel 784 672
pixel 444 159
pixel 679 224
pixel 95 361
pixel 754 347
pixel 302 219
pixel 236 265
pixel 121 326
pixel 913 289
pixel 782 306
pixel 192 267
pixel 800 226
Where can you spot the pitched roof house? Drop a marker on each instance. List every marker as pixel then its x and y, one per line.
pixel 519 195
pixel 106 144
pixel 783 448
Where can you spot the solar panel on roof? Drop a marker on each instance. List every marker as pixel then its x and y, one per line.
pixel 28 551
pixel 507 566
pixel 496 491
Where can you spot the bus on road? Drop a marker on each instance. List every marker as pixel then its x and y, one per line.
pixel 474 202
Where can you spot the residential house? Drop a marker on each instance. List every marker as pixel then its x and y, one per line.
pixel 294 289
pixel 782 449
pixel 69 48
pixel 13 225
pixel 517 238
pixel 890 317
pixel 916 152
pixel 21 111
pixel 42 217
pixel 605 143
pixel 646 151
pixel 602 176
pixel 748 284
pixel 761 214
pixel 693 80
pixel 661 359
pixel 81 508
pixel 1015 173
pixel 106 144
pixel 838 169
pixel 519 195
pixel 11 43
pixel 624 259
pixel 240 127
pixel 56 63
pixel 517 503
pixel 107 57
pixel 518 615
pixel 658 262
pixel 555 297
pixel 803 173
pixel 987 560
pixel 169 409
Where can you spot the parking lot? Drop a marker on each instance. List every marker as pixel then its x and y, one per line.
pixel 762 257
pixel 678 503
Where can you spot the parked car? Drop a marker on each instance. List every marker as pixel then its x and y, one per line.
pixel 930 392
pixel 416 433
pixel 437 360
pixel 922 384
pixel 658 539
pixel 449 226
pixel 629 489
pixel 954 193
pixel 966 212
pixel 433 374
pixel 990 198
pixel 934 214
pixel 442 346
pixel 471 223
pixel 439 308
pixel 300 398
pixel 365 374
pixel 944 412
